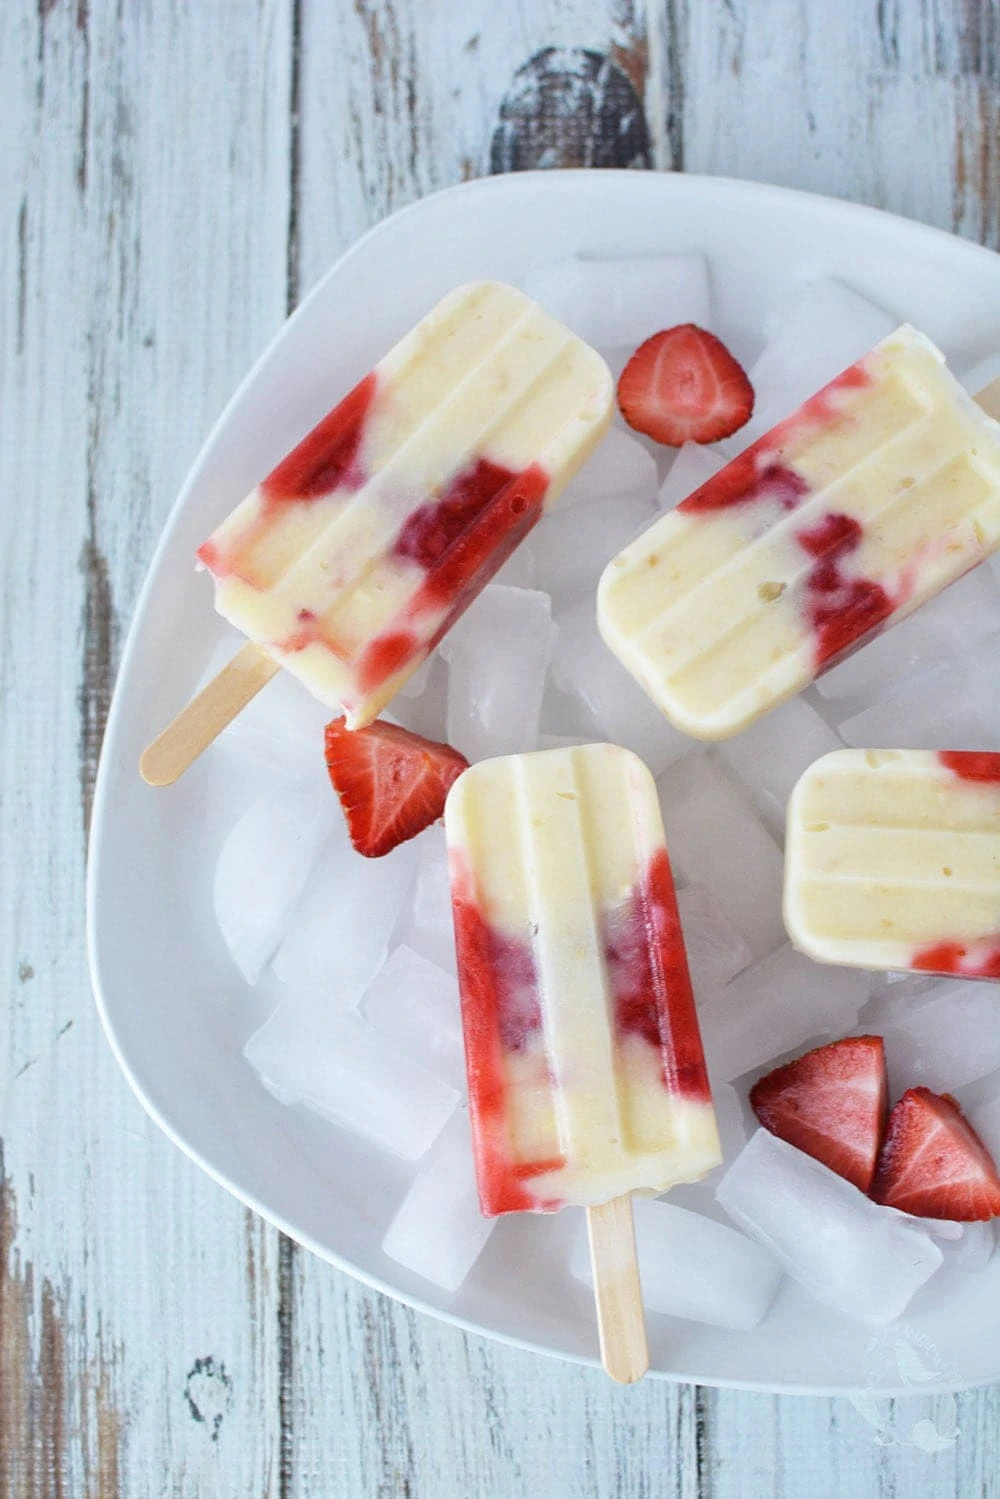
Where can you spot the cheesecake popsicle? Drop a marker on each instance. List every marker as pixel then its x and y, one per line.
pixel 352 558
pixel 892 861
pixel 586 1075
pixel 877 493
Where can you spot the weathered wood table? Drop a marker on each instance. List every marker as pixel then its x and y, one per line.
pixel 172 178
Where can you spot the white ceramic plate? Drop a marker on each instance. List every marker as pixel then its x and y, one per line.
pixel 174 1008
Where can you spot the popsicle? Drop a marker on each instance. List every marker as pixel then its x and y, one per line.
pixel 892 861
pixel 586 1075
pixel 351 560
pixel 872 497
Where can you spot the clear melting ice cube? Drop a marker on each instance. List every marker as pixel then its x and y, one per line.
pixel 498 655
pixel 620 469
pixel 338 936
pixel 621 711
pixel 775 1007
pixel 715 838
pixel 414 1003
pixel 263 868
pixel 622 301
pixel 439 1231
pixel 862 1259
pixel 813 334
pixel 337 1064
pixel 693 466
pixel 771 755
pixel 716 951
pixel 693 1267
pixel 426 924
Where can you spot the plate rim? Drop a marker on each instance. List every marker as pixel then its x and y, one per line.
pixel 492 184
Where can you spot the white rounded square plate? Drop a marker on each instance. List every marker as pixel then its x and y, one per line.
pixel 175 1009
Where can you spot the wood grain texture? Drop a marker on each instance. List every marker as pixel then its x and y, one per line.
pixel 138 1304
pixel 173 177
pixel 621 1320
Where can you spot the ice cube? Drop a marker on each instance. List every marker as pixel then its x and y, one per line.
pixel 945 1229
pixel 519 569
pixel 716 839
pixel 423 712
pixel 418 682
pixel 693 1267
pixel 942 1040
pixel 426 925
pixel 263 868
pixel 571 550
pixel 693 466
pixel 864 1260
pixel 334 1062
pixel 561 741
pixel 716 951
pixel 279 731
pixel 626 301
pixel 955 701
pixel 813 335
pixel 619 469
pixel 771 755
pixel 414 1004
pixel 776 1006
pixel 946 626
pixel 498 655
pixel 984 1117
pixel 338 936
pixel 282 728
pixel 621 711
pixel 732 1121
pixel 974 1250
pixel 439 1231
pixel 564 714
pixel 981 374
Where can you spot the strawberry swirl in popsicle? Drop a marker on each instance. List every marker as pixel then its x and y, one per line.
pixel 586 1074
pixel 355 555
pixel 892 861
pixel 872 497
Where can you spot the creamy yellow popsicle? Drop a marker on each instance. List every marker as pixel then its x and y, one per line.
pixel 872 497
pixel 892 860
pixel 586 1074
pixel 357 553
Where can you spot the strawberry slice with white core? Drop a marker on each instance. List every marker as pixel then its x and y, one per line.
pixel 683 385
pixel 933 1164
pixel 831 1103
pixel 392 784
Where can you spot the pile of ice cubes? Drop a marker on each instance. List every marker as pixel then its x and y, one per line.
pixel 360 953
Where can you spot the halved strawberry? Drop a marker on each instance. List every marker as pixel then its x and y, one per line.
pixel 392 784
pixel 831 1103
pixel 683 385
pixel 933 1164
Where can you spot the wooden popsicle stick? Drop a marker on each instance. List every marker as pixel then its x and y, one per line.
pixel 621 1321
pixel 989 399
pixel 206 715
